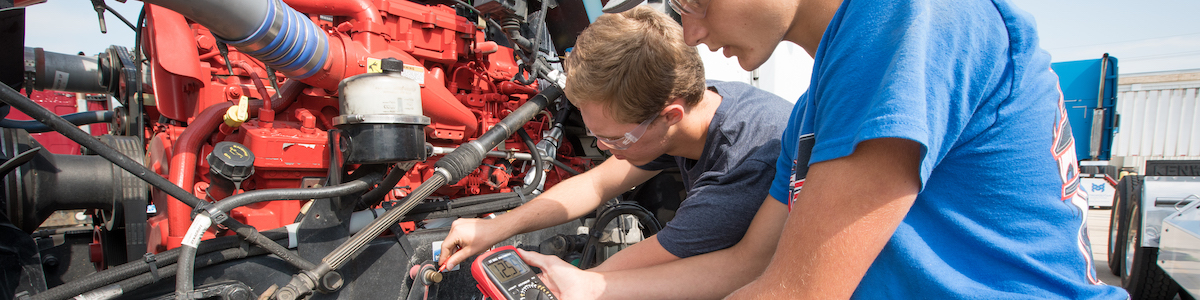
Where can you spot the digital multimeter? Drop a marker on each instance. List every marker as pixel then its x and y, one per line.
pixel 502 275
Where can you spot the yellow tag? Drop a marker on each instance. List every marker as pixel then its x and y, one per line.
pixel 374 65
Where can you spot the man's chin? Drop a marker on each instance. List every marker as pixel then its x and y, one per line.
pixel 749 65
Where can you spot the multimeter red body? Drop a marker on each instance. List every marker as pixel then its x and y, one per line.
pixel 503 275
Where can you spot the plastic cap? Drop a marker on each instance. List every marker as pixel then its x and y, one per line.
pixel 238 114
pixel 389 65
pixel 232 161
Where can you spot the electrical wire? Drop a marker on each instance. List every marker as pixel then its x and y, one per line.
pixel 137 80
pixel 119 16
pixel 564 167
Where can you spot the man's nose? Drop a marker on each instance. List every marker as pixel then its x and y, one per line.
pixel 693 31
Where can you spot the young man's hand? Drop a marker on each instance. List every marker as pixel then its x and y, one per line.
pixel 565 280
pixel 469 237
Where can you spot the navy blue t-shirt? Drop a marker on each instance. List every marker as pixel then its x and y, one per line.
pixel 727 185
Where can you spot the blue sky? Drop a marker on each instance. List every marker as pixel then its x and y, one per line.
pixel 1147 35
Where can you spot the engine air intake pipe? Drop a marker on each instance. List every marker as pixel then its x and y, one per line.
pixel 271 31
pixel 49 182
pixel 63 72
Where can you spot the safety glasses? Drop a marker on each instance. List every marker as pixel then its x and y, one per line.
pixel 691 8
pixel 629 138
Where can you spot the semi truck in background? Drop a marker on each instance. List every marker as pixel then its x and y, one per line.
pixel 1089 89
pixel 1154 226
pixel 1154 231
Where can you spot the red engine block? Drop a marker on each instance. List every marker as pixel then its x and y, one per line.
pixel 465 90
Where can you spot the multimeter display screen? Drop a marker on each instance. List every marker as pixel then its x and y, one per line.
pixel 507 266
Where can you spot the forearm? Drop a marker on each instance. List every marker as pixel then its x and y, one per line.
pixel 709 275
pixel 641 255
pixel 552 207
pixel 842 219
pixel 817 260
pixel 575 197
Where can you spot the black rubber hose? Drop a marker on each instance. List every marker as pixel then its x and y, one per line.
pixel 117 273
pixel 184 272
pixel 41 114
pixel 469 210
pixel 521 78
pixel 78 119
pixel 565 167
pixel 425 208
pixel 251 197
pixel 252 235
pixel 537 163
pixel 374 196
pixel 644 216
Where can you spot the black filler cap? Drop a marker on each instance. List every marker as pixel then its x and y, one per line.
pixel 232 161
pixel 391 65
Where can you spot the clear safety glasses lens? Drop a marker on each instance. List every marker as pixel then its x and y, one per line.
pixel 629 138
pixel 690 8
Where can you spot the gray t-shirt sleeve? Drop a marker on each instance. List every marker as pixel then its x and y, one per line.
pixel 716 213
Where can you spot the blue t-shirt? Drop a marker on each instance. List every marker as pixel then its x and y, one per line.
pixel 999 215
pixel 727 185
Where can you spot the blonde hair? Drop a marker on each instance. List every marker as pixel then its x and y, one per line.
pixel 634 63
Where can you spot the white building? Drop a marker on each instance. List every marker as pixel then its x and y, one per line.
pixel 1157 118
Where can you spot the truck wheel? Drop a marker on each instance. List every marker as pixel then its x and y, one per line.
pixel 1144 280
pixel 1118 217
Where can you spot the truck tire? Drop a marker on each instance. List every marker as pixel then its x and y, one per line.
pixel 1118 219
pixel 1143 279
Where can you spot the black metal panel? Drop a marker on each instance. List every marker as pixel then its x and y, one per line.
pixel 1172 168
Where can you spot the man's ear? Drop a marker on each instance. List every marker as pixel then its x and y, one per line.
pixel 674 112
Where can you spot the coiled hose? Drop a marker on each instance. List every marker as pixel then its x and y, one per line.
pixel 612 212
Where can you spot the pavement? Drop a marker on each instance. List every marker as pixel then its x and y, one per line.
pixel 1098 234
